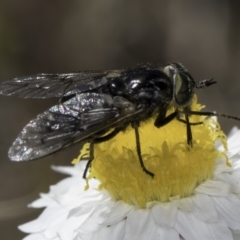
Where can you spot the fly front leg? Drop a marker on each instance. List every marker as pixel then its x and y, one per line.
pixel 188 127
pixel 135 125
pixel 191 123
pixel 162 120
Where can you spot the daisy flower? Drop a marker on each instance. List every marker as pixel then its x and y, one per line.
pixel 194 195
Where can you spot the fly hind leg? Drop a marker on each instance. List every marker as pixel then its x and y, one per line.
pixel 96 141
pixel 135 125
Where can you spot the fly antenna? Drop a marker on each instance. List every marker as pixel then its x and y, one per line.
pixel 211 114
pixel 205 83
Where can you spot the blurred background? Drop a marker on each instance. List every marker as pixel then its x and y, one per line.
pixel 62 36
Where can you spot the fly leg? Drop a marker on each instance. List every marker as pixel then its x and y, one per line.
pixel 189 131
pixel 192 124
pixel 162 120
pixel 135 125
pixel 188 124
pixel 96 141
pixel 91 157
pixel 187 111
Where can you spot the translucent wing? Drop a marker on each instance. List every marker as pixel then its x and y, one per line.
pixel 79 119
pixel 46 85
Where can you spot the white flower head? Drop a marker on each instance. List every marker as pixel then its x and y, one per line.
pixel 194 194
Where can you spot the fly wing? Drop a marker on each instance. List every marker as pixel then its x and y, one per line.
pixel 45 85
pixel 83 117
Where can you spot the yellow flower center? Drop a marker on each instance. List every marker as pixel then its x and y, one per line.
pixel 177 168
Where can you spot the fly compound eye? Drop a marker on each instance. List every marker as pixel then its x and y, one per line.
pixel 183 89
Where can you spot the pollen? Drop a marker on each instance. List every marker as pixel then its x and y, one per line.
pixel 178 168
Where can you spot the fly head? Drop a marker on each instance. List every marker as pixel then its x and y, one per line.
pixel 183 84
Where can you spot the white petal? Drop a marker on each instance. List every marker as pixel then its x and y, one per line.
pixel 35 236
pixel 235 162
pixel 232 131
pixel 66 170
pixel 219 231
pixel 118 212
pixel 79 203
pixel 139 225
pixel 185 204
pixel 33 226
pixel 57 191
pixel 228 210
pixel 236 235
pixel 204 208
pixel 73 198
pixel 66 184
pixel 236 171
pixel 80 211
pixel 69 230
pixel 86 236
pixel 76 170
pixel 92 198
pixel 164 214
pixel 76 238
pixel 52 232
pixel 97 217
pixel 237 195
pixel 113 232
pixel 44 201
pixel 214 188
pixel 233 144
pixel 163 233
pixel 191 228
pixel 220 166
pixel 231 180
pixel 48 218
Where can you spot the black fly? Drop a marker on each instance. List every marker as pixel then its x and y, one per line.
pixel 94 102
